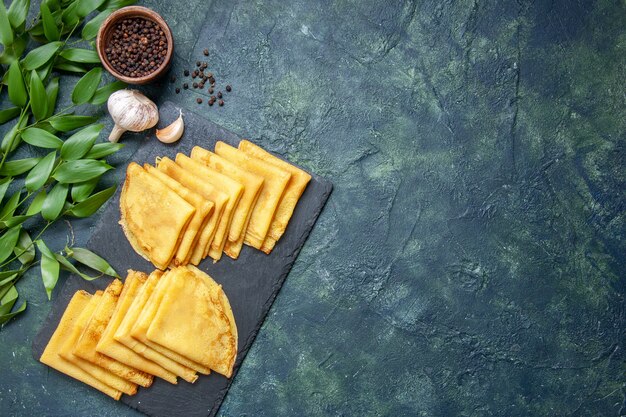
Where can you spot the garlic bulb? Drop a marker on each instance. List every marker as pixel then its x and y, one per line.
pixel 173 132
pixel 131 110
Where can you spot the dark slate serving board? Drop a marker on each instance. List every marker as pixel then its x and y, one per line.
pixel 251 282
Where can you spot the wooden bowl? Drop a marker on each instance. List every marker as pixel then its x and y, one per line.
pixel 106 31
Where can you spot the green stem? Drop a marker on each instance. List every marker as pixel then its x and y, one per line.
pixel 5 154
pixel 42 121
pixel 48 224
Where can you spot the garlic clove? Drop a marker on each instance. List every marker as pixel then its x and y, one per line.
pixel 131 110
pixel 173 132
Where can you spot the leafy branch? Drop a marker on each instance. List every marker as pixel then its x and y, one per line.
pixel 64 181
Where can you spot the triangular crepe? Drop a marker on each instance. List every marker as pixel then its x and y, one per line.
pixel 230 187
pixel 207 191
pixel 252 189
pixel 102 374
pixel 154 217
pixel 107 345
pixel 203 207
pixel 295 188
pixel 207 338
pixel 86 345
pixel 138 296
pixel 52 358
pixel 276 180
pixel 142 324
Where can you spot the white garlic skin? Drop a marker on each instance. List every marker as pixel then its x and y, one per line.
pixel 131 110
pixel 173 132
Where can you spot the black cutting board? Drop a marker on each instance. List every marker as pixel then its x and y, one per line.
pixel 251 282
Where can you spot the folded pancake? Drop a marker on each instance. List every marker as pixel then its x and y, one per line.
pixel 138 296
pixel 86 346
pixel 207 337
pixel 206 190
pixel 144 320
pixel 102 374
pixel 252 188
pixel 111 311
pixel 275 182
pixel 153 216
pixel 230 187
pixel 198 222
pixel 51 354
pixel 298 182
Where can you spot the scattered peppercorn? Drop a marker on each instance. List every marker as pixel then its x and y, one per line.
pixel 210 90
pixel 229 88
pixel 199 100
pixel 221 103
pixel 206 52
pixel 211 102
pixel 185 86
pixel 219 94
pixel 201 85
pixel 197 63
pixel 186 73
pixel 177 90
pixel 195 85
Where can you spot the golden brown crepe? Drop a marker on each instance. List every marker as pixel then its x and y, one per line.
pixel 86 346
pixel 200 218
pixel 207 338
pixel 102 374
pixel 298 182
pixel 138 296
pixel 107 345
pixel 52 358
pixel 144 320
pixel 230 187
pixel 252 188
pixel 206 190
pixel 275 182
pixel 153 216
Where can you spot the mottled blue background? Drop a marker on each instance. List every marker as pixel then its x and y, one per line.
pixel 470 261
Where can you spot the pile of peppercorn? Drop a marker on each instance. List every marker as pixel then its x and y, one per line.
pixel 137 47
pixel 200 77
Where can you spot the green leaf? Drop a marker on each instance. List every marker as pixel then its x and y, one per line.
pixel 100 150
pixel 8 241
pixel 38 176
pixel 69 16
pixel 8 297
pixel 65 123
pixel 13 138
pixel 37 203
pixel 13 221
pixel 86 87
pixel 39 56
pixel 10 113
pixel 92 204
pixel 24 250
pixel 50 28
pixel 4 185
pixel 6 33
pixel 6 317
pixel 49 267
pixel 17 12
pixel 9 208
pixel 71 172
pixel 68 266
pixel 69 67
pixel 19 166
pixel 38 98
pixel 80 56
pixel 82 190
pixel 102 94
pixel 90 30
pixel 8 276
pixel 52 91
pixel 77 145
pixel 117 4
pixel 84 7
pixel 54 202
pixel 90 259
pixel 40 138
pixel 15 82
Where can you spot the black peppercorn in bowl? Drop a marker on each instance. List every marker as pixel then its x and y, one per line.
pixel 135 45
